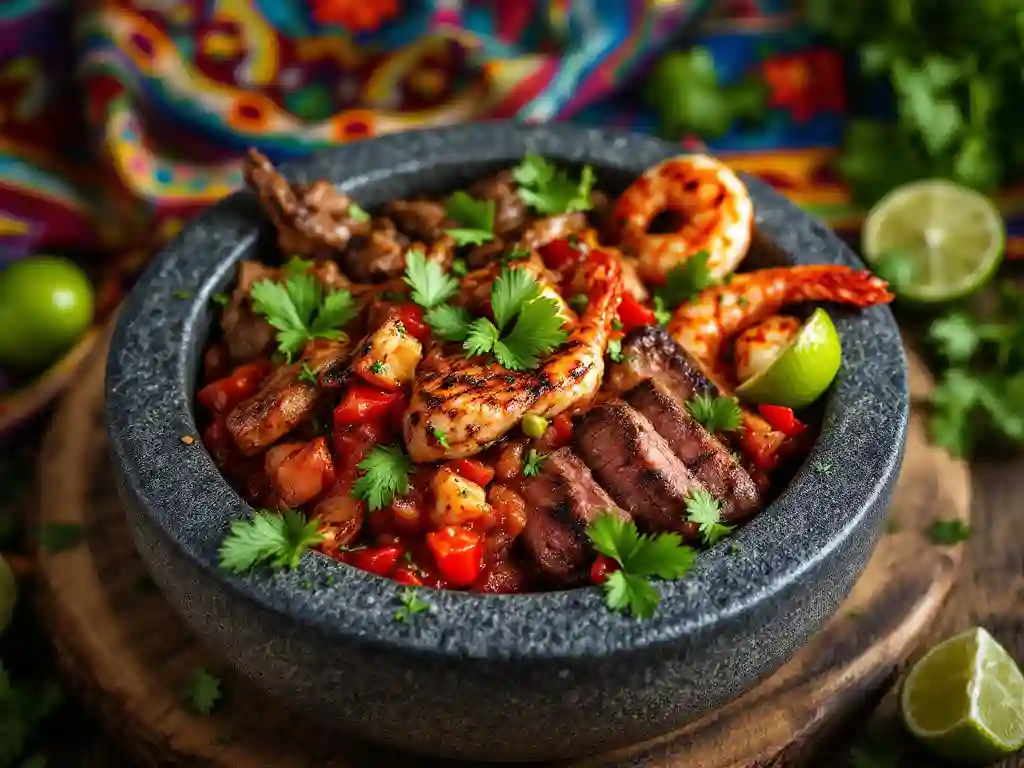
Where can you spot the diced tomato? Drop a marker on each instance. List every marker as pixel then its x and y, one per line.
pixel 378 560
pixel 783 419
pixel 408 576
pixel 633 314
pixel 473 470
pixel 397 414
pixel 412 318
pixel 300 472
pixel 363 403
pixel 562 425
pixel 602 566
pixel 217 438
pixel 558 254
pixel 458 554
pixel 222 395
pixel 761 447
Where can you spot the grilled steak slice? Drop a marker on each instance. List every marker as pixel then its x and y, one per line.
pixel 637 467
pixel 648 352
pixel 419 219
pixel 709 461
pixel 563 499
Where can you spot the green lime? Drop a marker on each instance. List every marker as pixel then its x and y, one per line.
pixel 934 240
pixel 46 303
pixel 965 700
pixel 8 594
pixel 801 372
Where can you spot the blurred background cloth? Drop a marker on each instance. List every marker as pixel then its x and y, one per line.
pixel 119 119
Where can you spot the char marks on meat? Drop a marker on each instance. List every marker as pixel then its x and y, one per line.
pixel 709 461
pixel 284 401
pixel 563 500
pixel 650 353
pixel 311 219
pixel 637 467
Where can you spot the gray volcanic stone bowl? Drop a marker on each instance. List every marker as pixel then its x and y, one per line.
pixel 517 677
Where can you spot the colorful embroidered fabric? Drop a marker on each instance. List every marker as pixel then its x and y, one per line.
pixel 119 119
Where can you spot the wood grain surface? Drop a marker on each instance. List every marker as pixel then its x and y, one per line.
pixel 130 658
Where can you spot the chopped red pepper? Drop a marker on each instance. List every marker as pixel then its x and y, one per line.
pixel 363 404
pixel 378 560
pixel 222 395
pixel 458 554
pixel 782 419
pixel 412 318
pixel 558 254
pixel 562 425
pixel 408 576
pixel 602 566
pixel 633 314
pixel 473 470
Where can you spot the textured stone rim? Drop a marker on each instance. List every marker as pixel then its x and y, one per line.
pixel 156 348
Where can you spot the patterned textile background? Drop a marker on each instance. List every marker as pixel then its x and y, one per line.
pixel 119 119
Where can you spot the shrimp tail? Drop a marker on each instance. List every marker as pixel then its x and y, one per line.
pixel 844 285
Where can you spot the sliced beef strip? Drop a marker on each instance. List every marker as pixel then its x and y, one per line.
pixel 510 212
pixel 246 334
pixel 376 256
pixel 649 352
pixel 637 467
pixel 709 461
pixel 563 500
pixel 311 219
pixel 419 219
pixel 284 401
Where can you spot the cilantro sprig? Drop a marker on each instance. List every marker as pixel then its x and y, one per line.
pixel 411 605
pixel 277 540
pixel 431 286
pixel 705 511
pixel 550 190
pixel 640 557
pixel 682 283
pixel 386 475
pixel 202 694
pixel 949 532
pixel 532 462
pixel 474 217
pixel 301 311
pixel 717 414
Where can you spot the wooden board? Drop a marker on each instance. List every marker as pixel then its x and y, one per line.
pixel 130 657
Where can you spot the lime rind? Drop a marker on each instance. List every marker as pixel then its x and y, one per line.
pixel 803 370
pixel 955 235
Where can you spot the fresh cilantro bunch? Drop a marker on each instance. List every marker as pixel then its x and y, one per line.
pixel 277 540
pixel 683 89
pixel 301 310
pixel 639 557
pixel 954 70
pixel 978 399
pixel 550 190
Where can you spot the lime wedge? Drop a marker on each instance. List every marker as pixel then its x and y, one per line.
pixel 802 371
pixel 964 700
pixel 947 240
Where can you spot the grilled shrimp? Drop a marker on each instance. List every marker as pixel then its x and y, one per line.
pixel 759 345
pixel 714 206
pixel 470 403
pixel 705 325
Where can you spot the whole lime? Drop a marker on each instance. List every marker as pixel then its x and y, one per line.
pixel 46 303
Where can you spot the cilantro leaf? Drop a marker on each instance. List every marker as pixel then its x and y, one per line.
pixel 705 510
pixel 662 315
pixel 717 414
pixel 268 537
pixel 300 311
pixel 56 537
pixel 474 217
pixel 387 470
pixel 531 464
pixel 639 557
pixel 538 331
pixel 448 322
pixel 220 298
pixel 684 281
pixel 430 285
pixel 550 190
pixel 510 291
pixel 357 214
pixel 440 436
pixel 949 532
pixel 459 268
pixel 203 692
pixel 307 375
pixel 411 605
pixel 615 350
pixel 481 338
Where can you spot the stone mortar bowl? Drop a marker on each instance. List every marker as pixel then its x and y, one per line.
pixel 516 677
